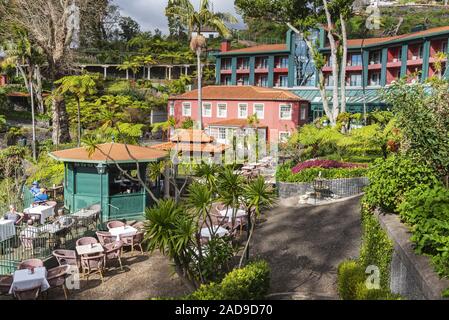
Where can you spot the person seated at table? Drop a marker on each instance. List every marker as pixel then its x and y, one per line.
pixel 35 189
pixel 12 214
pixel 41 196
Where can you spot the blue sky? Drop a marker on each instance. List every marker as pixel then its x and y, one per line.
pixel 150 13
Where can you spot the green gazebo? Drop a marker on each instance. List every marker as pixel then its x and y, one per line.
pixel 101 177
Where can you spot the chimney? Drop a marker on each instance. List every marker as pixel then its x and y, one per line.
pixel 225 45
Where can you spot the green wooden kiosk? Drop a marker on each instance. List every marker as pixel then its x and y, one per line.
pixel 96 178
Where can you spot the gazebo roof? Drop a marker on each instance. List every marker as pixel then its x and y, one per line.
pixel 110 153
pixel 191 136
pixel 191 147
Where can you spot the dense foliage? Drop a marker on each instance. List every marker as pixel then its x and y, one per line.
pixel 427 211
pixel 390 179
pixel 249 283
pixel 284 173
pixel 325 164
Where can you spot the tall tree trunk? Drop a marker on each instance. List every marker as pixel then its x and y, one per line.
pixel 200 98
pixel 79 121
pixel 60 119
pixel 344 59
pixel 38 90
pixel 335 74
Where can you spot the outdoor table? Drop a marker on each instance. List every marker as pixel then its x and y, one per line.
pixel 239 213
pixel 24 279
pixel 122 231
pixel 7 229
pixel 89 249
pixel 219 231
pixel 43 211
pixel 85 213
pixel 50 228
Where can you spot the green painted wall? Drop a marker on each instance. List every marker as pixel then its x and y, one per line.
pixel 383 73
pixel 252 66
pixel 218 71
pixel 234 71
pixel 270 71
pixel 404 58
pixel 425 63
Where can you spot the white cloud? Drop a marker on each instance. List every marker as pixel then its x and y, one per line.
pixel 150 13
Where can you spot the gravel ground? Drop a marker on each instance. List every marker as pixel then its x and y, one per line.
pixel 304 246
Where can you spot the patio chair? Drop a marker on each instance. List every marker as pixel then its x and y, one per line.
pixel 30 264
pixel 115 224
pixel 93 264
pixel 66 257
pixel 28 294
pixel 5 284
pixel 32 242
pixel 133 241
pixel 113 251
pixel 56 278
pixel 104 237
pixel 86 240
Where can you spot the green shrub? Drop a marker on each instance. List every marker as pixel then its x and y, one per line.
pixel 350 275
pixel 284 174
pixel 427 211
pixel 377 248
pixel 390 179
pixel 249 283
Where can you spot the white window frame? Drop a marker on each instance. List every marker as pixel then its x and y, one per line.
pixel 210 108
pixel 218 110
pixel 284 132
pixel 171 109
pixel 239 108
pixel 185 104
pixel 280 111
pixel 220 129
pixel 263 110
pixel 303 111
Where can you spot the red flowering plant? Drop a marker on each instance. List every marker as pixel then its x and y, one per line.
pixel 325 164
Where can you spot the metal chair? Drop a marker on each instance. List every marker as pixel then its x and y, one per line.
pixel 93 264
pixel 57 276
pixel 66 257
pixel 113 251
pixel 30 264
pixel 104 237
pixel 133 241
pixel 115 224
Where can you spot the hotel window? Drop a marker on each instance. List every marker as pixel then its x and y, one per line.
pixel 244 64
pixel 259 110
pixel 227 80
pixel 304 108
pixel 282 62
pixel 355 80
pixel 226 64
pixel 282 82
pixel 444 47
pixel 284 136
pixel 222 133
pixel 171 111
pixel 374 57
pixel 329 81
pixel 243 111
pixel 263 81
pixel 207 110
pixel 374 79
pixel 186 109
pixel 356 60
pixel 263 63
pixel 285 112
pixel 222 110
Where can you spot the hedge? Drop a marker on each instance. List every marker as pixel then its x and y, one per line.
pixel 284 174
pixel 249 283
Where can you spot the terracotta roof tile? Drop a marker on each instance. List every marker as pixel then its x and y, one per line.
pixel 191 135
pixel 240 93
pixel 192 147
pixel 260 48
pixel 241 123
pixel 109 152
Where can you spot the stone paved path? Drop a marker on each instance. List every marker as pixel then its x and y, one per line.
pixel 305 245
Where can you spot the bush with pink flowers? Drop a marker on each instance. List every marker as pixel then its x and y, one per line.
pixel 325 164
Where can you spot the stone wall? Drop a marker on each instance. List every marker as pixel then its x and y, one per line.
pixel 412 276
pixel 340 187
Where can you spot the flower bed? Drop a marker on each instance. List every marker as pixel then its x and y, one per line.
pixel 325 164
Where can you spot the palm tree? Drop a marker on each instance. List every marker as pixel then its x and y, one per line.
pixel 171 231
pixel 80 87
pixel 195 21
pixel 257 195
pixel 230 189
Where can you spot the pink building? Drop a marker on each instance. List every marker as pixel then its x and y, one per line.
pixel 227 108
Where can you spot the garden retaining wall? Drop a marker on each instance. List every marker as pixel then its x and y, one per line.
pixel 340 187
pixel 412 276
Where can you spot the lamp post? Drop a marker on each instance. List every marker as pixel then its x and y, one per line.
pixel 101 169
